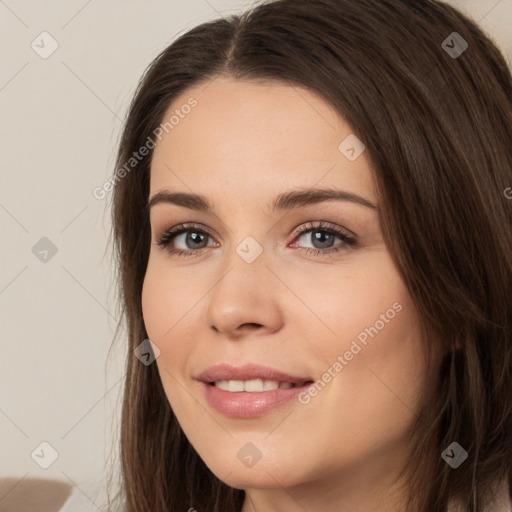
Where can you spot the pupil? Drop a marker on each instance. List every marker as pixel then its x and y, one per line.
pixel 195 237
pixel 318 238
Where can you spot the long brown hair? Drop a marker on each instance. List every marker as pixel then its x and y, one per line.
pixel 438 132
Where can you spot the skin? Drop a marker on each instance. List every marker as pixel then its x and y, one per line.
pixel 242 145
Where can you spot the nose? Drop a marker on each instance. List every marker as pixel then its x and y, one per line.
pixel 246 299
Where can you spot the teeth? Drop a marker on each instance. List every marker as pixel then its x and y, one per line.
pixel 236 386
pixel 255 385
pixel 267 385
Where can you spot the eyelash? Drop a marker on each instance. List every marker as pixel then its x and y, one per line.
pixel 169 235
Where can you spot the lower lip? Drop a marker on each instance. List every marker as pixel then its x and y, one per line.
pixel 245 404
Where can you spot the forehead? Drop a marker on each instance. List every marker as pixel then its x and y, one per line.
pixel 252 136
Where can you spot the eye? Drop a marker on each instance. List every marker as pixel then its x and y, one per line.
pixel 195 239
pixel 322 237
pixel 193 236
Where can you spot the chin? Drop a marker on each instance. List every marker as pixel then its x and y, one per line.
pixel 253 479
pixel 260 476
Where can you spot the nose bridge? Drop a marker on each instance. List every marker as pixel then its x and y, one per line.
pixel 250 250
pixel 248 233
pixel 244 294
pixel 245 267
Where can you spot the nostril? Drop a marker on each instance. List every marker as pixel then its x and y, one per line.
pixel 252 325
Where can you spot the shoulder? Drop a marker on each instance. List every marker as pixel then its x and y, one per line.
pixel 26 494
pixel 78 501
pixel 88 496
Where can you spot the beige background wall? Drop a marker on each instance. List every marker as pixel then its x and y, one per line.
pixel 60 120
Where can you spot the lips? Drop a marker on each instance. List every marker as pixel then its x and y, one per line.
pixel 226 372
pixel 238 401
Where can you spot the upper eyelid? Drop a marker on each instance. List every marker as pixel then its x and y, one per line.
pixel 312 208
pixel 300 230
pixel 320 224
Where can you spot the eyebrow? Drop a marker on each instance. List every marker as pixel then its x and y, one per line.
pixel 284 201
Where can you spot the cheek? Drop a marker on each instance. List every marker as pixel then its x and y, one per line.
pixel 365 303
pixel 170 306
pixel 162 302
pixel 153 305
pixel 383 369
pixel 164 313
pixel 370 321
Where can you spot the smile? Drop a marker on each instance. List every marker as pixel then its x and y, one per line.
pixel 238 402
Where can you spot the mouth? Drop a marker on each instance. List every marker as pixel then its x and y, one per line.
pixel 250 378
pixel 256 385
pixel 251 398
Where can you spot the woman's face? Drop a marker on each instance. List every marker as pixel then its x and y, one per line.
pixel 250 289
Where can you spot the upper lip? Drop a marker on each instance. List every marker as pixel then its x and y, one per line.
pixel 247 372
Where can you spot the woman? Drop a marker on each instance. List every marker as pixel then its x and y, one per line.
pixel 313 226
